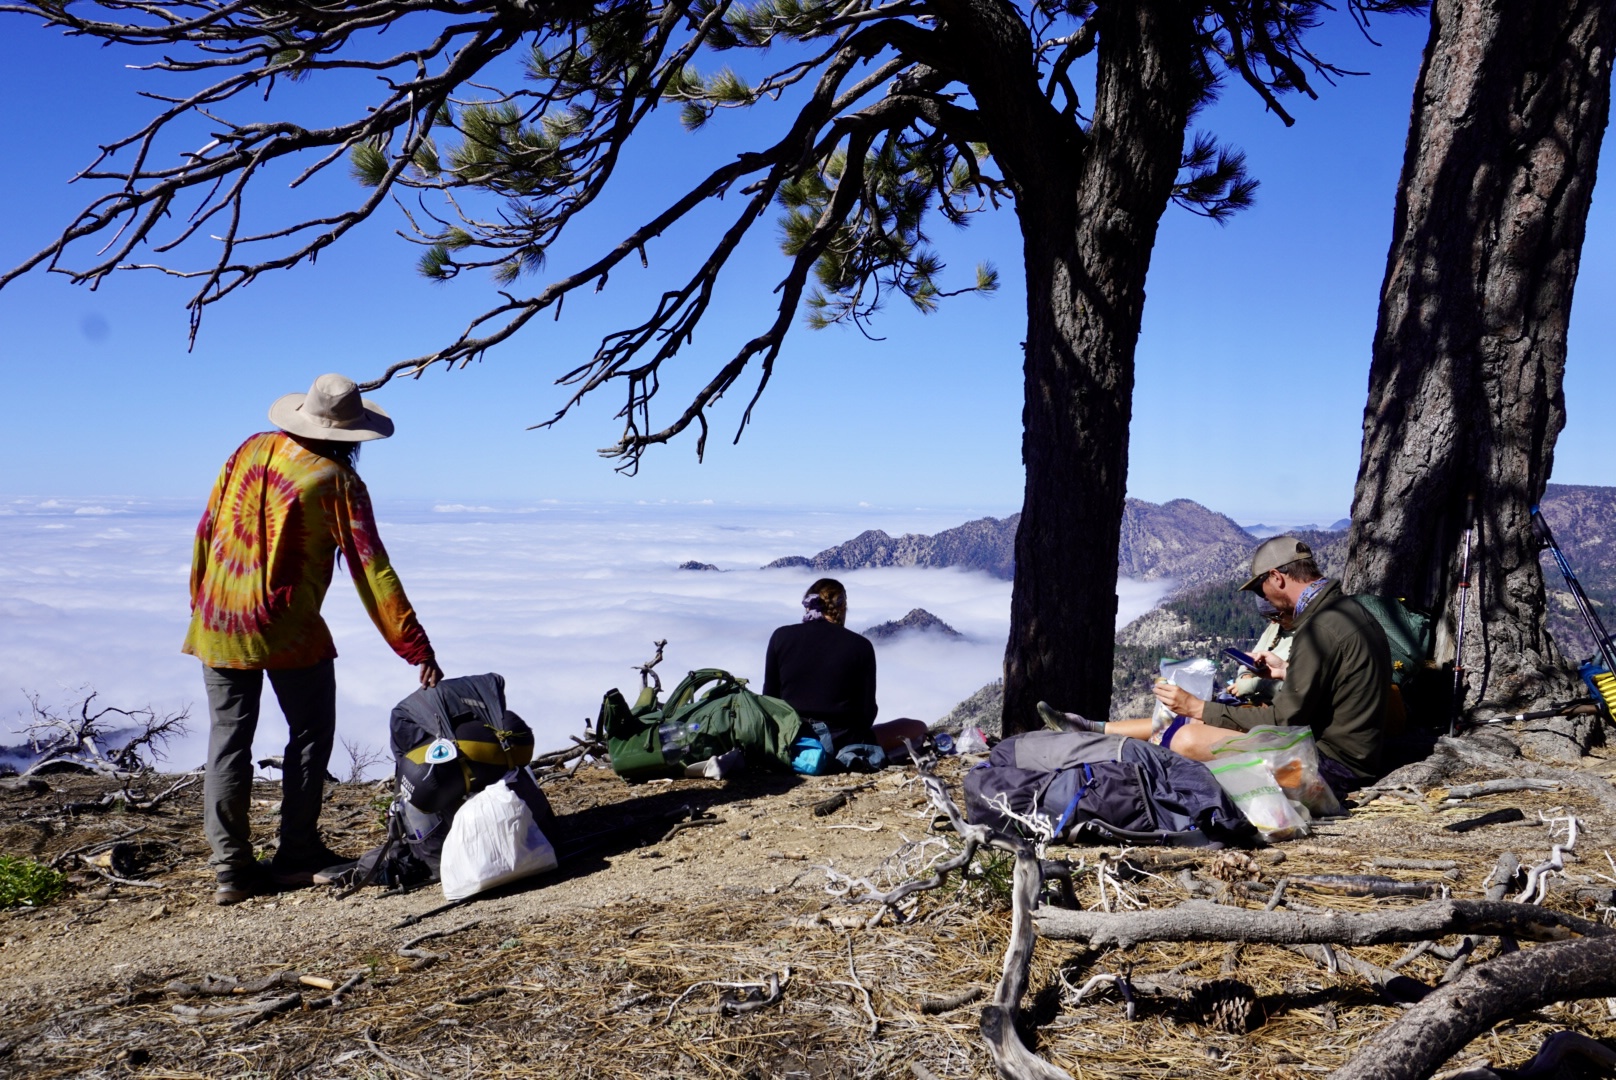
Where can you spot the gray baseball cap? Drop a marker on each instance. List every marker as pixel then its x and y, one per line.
pixel 1274 553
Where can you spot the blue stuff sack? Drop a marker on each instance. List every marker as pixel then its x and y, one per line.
pixel 809 758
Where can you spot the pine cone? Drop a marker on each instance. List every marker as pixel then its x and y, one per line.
pixel 1224 1004
pixel 1234 866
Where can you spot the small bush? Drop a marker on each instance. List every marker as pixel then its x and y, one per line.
pixel 23 881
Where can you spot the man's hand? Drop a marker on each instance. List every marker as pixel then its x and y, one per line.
pixel 431 673
pixel 1180 700
pixel 1273 662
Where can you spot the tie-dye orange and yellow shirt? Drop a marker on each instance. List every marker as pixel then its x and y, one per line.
pixel 263 560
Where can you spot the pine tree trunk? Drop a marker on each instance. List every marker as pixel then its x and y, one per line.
pixel 1088 234
pixel 1465 388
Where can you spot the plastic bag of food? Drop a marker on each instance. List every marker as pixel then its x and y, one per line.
pixel 1293 756
pixel 1250 783
pixel 1197 676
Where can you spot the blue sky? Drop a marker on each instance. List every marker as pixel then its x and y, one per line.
pixel 103 398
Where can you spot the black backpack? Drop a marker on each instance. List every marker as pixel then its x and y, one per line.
pixel 449 742
pixel 454 739
pixel 1098 788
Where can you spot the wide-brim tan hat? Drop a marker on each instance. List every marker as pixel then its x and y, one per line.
pixel 1274 553
pixel 333 410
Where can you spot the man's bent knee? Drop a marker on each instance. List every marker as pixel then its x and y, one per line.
pixel 1197 741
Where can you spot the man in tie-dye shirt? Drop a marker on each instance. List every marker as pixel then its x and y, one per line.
pixel 286 503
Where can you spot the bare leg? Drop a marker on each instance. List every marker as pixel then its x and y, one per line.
pixel 1197 741
pixel 1193 740
pixel 1133 729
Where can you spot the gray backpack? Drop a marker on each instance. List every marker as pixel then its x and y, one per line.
pixel 1095 788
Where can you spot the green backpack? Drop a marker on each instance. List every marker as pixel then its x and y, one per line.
pixel 714 712
pixel 1408 631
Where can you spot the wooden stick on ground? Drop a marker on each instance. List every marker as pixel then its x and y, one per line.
pixel 1201 921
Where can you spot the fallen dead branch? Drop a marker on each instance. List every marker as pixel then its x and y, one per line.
pixel 425 958
pixel 1398 988
pixel 1197 920
pixel 1441 1025
pixel 245 1015
pixel 1364 885
pixel 752 996
pixel 830 805
pixel 1499 787
pixel 693 823
pixel 936 1006
pixel 1381 862
pixel 1010 1055
pixel 863 992
pixel 406 1069
pixel 1594 786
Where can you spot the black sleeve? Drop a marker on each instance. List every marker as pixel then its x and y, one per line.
pixel 867 704
pixel 771 667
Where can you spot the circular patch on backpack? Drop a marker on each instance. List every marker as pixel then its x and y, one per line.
pixel 440 751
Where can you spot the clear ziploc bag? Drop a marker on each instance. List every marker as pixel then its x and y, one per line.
pixel 1195 676
pixel 1250 783
pixel 1293 757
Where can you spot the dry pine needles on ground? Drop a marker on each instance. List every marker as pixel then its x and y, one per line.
pixel 718 951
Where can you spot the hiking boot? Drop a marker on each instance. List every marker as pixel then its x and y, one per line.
pixel 342 873
pixel 241 883
pixel 298 869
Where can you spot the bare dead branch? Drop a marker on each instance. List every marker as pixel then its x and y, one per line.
pixel 1200 921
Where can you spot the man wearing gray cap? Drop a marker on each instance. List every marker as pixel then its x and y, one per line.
pixel 1336 681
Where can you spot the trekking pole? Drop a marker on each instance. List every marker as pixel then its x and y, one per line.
pixel 1464 595
pixel 1604 684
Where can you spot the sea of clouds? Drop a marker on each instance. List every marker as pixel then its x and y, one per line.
pixel 561 599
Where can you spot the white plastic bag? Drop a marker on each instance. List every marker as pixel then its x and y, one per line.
pixel 971 740
pixel 1197 676
pixel 494 839
pixel 1250 783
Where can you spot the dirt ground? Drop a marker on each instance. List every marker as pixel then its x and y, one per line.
pixel 615 965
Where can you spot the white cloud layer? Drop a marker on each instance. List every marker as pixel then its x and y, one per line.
pixel 560 599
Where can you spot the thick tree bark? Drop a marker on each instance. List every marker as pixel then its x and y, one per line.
pixel 1465 388
pixel 1088 233
pixel 1440 1025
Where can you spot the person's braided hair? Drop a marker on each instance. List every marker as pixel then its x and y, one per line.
pixel 825 599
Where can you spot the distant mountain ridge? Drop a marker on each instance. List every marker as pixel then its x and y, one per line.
pixel 1200 549
pixel 1180 539
pixel 984 544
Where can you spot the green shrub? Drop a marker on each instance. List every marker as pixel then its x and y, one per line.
pixel 24 881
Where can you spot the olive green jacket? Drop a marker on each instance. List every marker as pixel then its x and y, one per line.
pixel 1336 682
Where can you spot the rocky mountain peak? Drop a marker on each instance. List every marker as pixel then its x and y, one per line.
pixel 918 621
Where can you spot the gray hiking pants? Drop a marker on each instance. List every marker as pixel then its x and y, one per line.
pixel 308 697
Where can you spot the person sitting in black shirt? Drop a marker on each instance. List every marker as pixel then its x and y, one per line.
pixel 827 672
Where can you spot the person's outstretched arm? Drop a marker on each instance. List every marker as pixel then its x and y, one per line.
pixel 354 525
